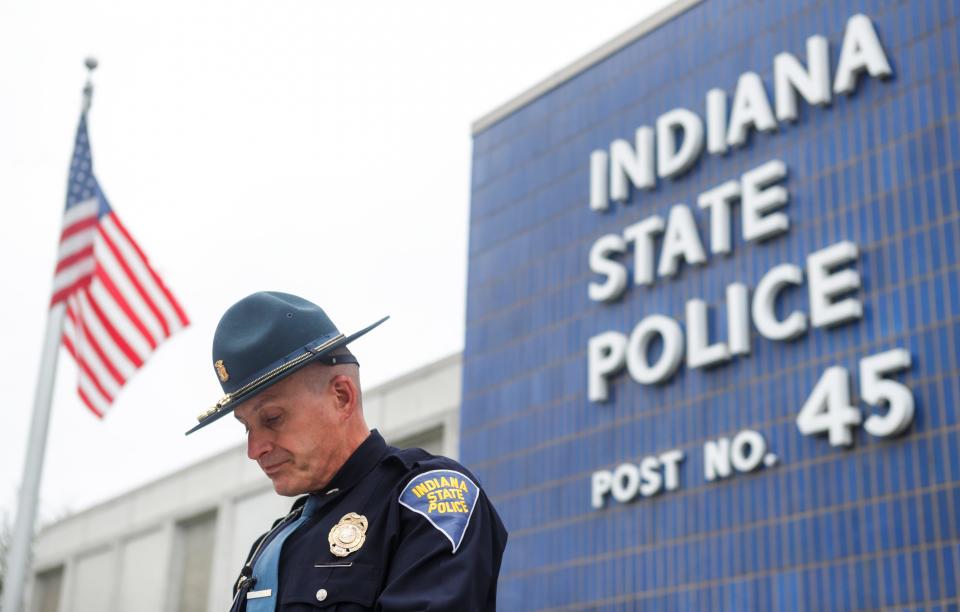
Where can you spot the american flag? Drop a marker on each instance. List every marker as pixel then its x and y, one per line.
pixel 118 308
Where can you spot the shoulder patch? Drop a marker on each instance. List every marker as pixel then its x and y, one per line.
pixel 446 498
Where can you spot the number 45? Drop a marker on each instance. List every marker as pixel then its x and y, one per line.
pixel 829 409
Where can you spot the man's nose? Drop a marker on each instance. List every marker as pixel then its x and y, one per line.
pixel 258 444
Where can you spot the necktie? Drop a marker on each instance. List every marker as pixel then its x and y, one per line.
pixel 265 569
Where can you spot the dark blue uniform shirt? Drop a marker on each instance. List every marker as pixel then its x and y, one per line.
pixel 433 540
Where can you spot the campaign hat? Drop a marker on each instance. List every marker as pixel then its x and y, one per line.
pixel 266 337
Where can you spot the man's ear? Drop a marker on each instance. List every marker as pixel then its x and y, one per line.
pixel 346 393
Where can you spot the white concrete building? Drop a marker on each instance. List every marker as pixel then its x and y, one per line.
pixel 176 544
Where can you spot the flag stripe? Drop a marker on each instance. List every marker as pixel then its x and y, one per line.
pixel 76 243
pixel 130 339
pixel 77 237
pixel 86 400
pixel 85 224
pixel 133 266
pixel 66 262
pixel 122 353
pixel 87 374
pixel 69 346
pixel 73 277
pixel 96 400
pixel 128 286
pixel 71 318
pixel 68 333
pixel 80 210
pixel 66 292
pixel 88 320
pixel 118 300
pixel 94 378
pixel 166 301
pixel 169 299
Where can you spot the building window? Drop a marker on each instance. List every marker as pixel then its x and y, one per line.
pixel 194 561
pixel 46 590
pixel 430 440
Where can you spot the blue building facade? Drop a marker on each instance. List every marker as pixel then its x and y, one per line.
pixel 690 484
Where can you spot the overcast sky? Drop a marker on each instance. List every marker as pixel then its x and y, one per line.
pixel 319 148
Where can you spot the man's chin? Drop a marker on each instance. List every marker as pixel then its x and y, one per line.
pixel 280 486
pixel 286 488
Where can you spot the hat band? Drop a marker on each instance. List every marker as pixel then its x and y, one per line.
pixel 253 384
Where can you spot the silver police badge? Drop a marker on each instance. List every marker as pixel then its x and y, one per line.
pixel 348 535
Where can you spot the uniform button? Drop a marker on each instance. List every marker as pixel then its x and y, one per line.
pixel 321 594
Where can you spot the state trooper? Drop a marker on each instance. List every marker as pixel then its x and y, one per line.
pixel 376 527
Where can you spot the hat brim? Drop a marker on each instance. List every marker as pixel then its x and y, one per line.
pixel 275 372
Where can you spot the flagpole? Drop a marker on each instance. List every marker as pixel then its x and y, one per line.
pixel 18 557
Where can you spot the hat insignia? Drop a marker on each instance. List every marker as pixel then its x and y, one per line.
pixel 348 535
pixel 222 373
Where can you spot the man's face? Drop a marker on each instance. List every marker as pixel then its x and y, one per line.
pixel 294 431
